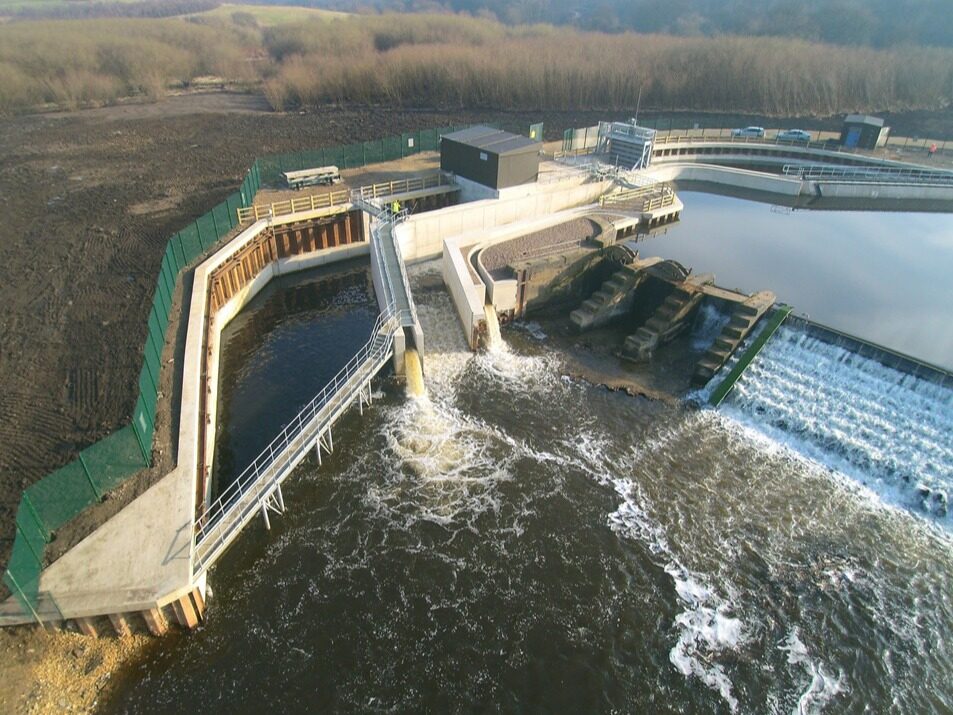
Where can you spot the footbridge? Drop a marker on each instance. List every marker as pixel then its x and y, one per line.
pixel 258 489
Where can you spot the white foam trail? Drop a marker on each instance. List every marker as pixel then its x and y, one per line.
pixel 707 627
pixel 888 430
pixel 708 325
pixel 821 686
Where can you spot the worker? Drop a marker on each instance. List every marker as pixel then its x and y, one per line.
pixel 395 207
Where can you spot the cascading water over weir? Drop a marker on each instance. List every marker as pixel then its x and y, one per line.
pixel 887 427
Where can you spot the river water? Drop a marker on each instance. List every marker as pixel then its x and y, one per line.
pixel 884 276
pixel 520 541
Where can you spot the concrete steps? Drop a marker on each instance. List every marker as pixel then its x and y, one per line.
pixel 668 320
pixel 743 319
pixel 612 299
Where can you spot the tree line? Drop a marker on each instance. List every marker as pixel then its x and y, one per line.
pixel 876 23
pixel 452 61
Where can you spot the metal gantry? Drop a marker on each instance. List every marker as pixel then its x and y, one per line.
pixel 880 175
pixel 258 489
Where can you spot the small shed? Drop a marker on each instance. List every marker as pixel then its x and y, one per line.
pixel 863 132
pixel 490 157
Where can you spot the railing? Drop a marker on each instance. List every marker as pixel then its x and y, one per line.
pixel 247 494
pixel 389 219
pixel 653 197
pixel 825 145
pixel 402 186
pixel 572 153
pixel 250 214
pixel 870 174
pixel 340 197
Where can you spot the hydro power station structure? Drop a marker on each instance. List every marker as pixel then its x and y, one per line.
pixel 518 227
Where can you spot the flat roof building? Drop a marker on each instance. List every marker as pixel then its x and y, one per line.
pixel 490 157
pixel 863 132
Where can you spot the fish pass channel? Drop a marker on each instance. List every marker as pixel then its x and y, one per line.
pixel 518 540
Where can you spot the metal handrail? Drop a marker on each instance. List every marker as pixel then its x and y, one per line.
pixel 862 173
pixel 825 145
pixel 401 186
pixel 388 218
pixel 219 511
pixel 650 193
pixel 341 197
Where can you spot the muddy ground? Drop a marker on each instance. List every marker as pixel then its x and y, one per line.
pixel 88 201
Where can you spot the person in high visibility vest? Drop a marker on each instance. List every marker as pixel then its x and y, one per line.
pixel 395 207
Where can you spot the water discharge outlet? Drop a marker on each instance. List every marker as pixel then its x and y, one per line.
pixel 415 374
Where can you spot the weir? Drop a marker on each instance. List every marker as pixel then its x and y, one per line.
pixel 877 415
pixel 153 557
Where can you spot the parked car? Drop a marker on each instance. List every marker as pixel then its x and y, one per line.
pixel 794 135
pixel 756 132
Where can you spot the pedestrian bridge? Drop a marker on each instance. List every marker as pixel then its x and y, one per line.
pixel 257 491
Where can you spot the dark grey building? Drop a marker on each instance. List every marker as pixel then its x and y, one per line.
pixel 490 157
pixel 863 131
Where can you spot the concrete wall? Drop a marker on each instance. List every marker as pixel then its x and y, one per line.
pixel 234 306
pixel 468 298
pixel 422 236
pixel 727 176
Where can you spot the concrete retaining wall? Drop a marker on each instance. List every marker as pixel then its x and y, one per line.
pixel 727 176
pixel 421 237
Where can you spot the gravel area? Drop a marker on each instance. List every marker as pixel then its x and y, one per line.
pixel 562 237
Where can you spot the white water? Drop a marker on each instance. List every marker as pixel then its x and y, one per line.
pixel 493 338
pixel 708 325
pixel 886 429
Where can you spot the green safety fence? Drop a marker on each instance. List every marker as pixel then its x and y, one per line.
pixel 63 494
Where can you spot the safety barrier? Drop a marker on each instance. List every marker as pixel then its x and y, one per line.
pixel 875 174
pixel 250 214
pixel 653 197
pixel 340 197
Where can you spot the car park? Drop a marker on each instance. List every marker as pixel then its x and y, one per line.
pixel 749 132
pixel 794 135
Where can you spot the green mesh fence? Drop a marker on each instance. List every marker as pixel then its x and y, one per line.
pixel 353 156
pixel 63 494
pixel 428 140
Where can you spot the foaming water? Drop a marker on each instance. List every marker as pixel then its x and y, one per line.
pixel 889 430
pixel 415 374
pixel 708 326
